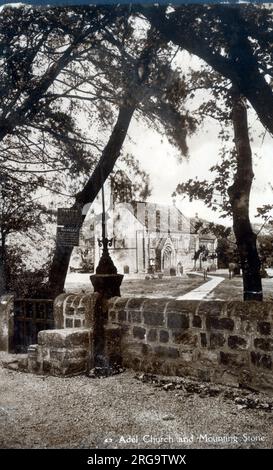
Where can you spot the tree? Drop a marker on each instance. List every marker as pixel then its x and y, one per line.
pixel 265 247
pixel 56 60
pixel 227 252
pixel 214 33
pixel 37 45
pixel 239 194
pixel 20 212
pixel 236 168
pixel 237 49
pixel 234 40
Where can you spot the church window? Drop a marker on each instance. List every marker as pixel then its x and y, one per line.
pixel 157 220
pixel 146 221
pixel 179 223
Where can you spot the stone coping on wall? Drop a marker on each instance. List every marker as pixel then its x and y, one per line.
pixel 74 310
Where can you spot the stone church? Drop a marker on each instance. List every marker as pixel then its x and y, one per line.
pixel 146 237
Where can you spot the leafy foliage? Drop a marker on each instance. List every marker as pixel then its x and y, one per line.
pixel 234 40
pixel 20 279
pixel 19 209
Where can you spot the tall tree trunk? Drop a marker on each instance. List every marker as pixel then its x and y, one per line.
pixel 239 194
pixel 110 154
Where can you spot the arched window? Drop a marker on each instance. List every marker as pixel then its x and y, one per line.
pixel 179 225
pixel 157 220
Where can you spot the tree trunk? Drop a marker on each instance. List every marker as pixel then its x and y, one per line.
pixel 110 154
pixel 239 194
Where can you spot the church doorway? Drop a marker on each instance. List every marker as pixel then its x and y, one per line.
pixel 168 258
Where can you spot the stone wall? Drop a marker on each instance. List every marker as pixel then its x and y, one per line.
pixel 222 342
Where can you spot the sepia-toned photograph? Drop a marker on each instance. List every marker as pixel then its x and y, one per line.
pixel 136 227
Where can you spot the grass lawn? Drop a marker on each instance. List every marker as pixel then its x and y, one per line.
pixel 168 287
pixel 232 289
pixel 173 286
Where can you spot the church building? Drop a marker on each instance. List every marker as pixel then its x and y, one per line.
pixel 146 237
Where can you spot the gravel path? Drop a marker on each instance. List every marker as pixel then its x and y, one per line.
pixel 80 412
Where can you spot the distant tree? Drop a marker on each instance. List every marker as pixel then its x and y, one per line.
pixel 227 252
pixel 20 213
pixel 265 247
